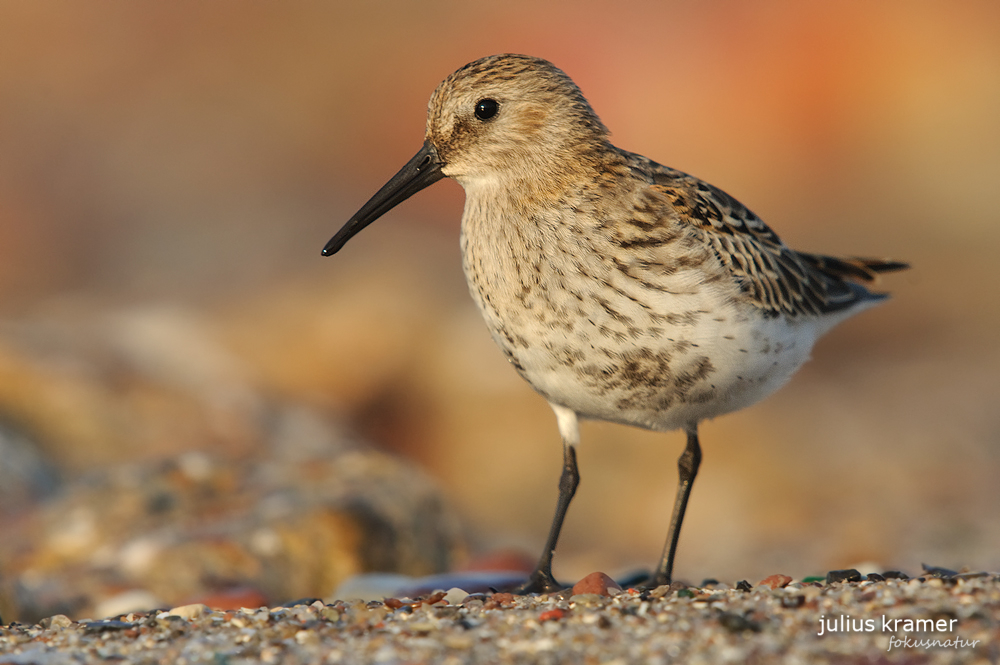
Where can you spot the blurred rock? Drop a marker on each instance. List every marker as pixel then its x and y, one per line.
pixel 289 526
pixel 94 386
pixel 183 481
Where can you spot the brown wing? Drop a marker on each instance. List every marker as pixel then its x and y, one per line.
pixel 776 278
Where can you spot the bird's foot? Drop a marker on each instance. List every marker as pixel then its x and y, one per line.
pixel 653 581
pixel 541 581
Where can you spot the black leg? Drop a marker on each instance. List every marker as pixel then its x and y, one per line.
pixel 687 467
pixel 541 580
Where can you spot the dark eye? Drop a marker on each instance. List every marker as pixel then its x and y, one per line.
pixel 486 108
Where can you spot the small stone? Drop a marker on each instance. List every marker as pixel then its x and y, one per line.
pixel 743 585
pixel 502 598
pixel 972 576
pixel 845 575
pixel 793 602
pixel 895 575
pixel 551 615
pixel 193 611
pixel 56 621
pixel 589 599
pixel 455 596
pixel 663 590
pixel 105 626
pixel 736 623
pixel 709 598
pixel 938 571
pixel 597 583
pixel 301 601
pixel 775 581
pixel 435 597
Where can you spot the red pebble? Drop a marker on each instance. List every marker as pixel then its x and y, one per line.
pixel 598 583
pixel 775 581
pixel 435 598
pixel 502 598
pixel 551 615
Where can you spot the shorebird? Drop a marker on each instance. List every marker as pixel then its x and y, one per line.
pixel 620 289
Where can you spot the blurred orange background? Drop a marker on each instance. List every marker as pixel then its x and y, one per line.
pixel 199 155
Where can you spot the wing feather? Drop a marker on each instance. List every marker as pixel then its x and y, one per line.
pixel 776 278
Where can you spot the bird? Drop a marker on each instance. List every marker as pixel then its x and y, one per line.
pixel 620 289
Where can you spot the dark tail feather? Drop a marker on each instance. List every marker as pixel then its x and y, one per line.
pixel 866 270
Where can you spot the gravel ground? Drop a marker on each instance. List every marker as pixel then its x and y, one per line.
pixel 713 624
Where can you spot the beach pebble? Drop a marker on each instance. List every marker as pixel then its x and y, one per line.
pixel 775 581
pixel 596 583
pixel 193 611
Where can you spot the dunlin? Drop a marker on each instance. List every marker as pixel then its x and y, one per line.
pixel 620 289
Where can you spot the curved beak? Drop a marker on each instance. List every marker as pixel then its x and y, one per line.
pixel 421 171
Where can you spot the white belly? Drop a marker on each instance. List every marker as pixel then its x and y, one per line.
pixel 671 384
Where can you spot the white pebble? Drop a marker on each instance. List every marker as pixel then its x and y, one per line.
pixel 193 611
pixel 455 596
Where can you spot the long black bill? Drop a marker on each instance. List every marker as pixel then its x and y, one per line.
pixel 423 170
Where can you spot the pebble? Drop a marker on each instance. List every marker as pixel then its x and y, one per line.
pixel 193 611
pixel 597 583
pixel 588 599
pixel 455 595
pixel 775 581
pixel 552 615
pixel 846 575
pixel 56 621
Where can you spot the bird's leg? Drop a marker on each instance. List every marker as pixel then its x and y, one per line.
pixel 687 467
pixel 541 580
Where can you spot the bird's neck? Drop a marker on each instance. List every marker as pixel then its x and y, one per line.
pixel 544 178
